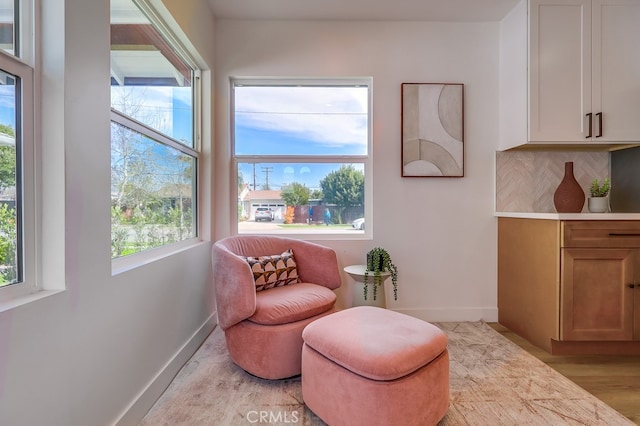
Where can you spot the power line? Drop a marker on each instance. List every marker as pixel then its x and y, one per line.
pixel 266 171
pixel 299 113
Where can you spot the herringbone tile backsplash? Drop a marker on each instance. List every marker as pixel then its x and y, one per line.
pixel 526 181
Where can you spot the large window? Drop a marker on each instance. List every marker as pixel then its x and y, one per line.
pixel 17 155
pixel 154 149
pixel 301 150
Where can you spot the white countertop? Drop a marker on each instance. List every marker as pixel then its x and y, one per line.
pixel 571 216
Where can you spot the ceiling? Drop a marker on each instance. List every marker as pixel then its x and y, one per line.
pixel 377 10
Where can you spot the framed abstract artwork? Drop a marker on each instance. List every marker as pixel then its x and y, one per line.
pixel 432 130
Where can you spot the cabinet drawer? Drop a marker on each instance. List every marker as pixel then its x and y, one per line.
pixel 598 233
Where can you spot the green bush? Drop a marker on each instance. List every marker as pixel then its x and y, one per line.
pixel 8 244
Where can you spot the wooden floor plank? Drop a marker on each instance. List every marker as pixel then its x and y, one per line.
pixel 612 379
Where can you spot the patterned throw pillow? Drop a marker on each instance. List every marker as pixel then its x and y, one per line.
pixel 274 271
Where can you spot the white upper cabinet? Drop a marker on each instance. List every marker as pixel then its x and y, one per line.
pixel 615 69
pixel 559 70
pixel 572 77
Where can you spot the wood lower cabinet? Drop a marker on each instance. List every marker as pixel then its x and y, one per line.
pixel 571 286
pixel 596 300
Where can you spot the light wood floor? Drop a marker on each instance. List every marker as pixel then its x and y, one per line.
pixel 612 379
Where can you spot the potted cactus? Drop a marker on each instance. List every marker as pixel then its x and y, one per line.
pixel 378 261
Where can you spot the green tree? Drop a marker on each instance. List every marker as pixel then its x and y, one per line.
pixel 131 171
pixel 316 194
pixel 8 247
pixel 8 225
pixel 7 160
pixel 241 181
pixel 241 185
pixel 7 130
pixel 344 188
pixel 295 194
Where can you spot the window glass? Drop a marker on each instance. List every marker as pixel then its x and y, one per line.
pixel 301 150
pixel 7 27
pixel 300 196
pixel 149 81
pixel 301 120
pixel 153 157
pixel 152 189
pixel 9 183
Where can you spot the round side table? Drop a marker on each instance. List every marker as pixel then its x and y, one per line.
pixel 357 273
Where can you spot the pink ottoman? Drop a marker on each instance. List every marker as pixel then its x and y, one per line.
pixel 372 366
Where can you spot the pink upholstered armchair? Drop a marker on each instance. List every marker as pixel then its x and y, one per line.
pixel 263 329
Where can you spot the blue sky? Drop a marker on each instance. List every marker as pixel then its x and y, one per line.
pixel 165 108
pixel 7 105
pixel 171 106
pixel 298 121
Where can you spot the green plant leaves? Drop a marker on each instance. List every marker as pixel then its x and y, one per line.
pixel 600 190
pixel 379 260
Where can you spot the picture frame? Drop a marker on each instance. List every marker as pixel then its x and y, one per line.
pixel 432 129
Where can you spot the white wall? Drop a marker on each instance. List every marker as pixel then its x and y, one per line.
pixel 440 232
pixel 84 355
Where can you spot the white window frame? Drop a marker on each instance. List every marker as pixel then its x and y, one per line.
pixel 13 294
pixel 131 261
pixel 366 160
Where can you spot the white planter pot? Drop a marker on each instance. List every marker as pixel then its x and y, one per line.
pixel 598 204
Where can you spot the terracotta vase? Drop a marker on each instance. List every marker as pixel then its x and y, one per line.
pixel 569 196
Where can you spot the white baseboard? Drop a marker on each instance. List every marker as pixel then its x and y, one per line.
pixel 133 414
pixel 452 314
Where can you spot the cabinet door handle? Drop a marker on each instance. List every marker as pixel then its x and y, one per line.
pixel 599 115
pixel 590 117
pixel 631 285
pixel 624 234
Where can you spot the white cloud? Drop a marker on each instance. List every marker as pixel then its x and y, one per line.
pixel 7 96
pixel 327 115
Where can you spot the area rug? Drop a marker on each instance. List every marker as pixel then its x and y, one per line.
pixel 492 382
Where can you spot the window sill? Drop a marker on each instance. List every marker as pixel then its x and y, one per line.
pixel 28 298
pixel 133 261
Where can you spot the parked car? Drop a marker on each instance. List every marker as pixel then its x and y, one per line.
pixel 264 213
pixel 358 223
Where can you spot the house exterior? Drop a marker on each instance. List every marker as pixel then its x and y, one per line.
pixel 251 200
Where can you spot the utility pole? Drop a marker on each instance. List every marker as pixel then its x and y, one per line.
pixel 254 176
pixel 266 171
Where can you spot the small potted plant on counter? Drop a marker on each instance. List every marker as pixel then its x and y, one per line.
pixel 598 201
pixel 379 261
